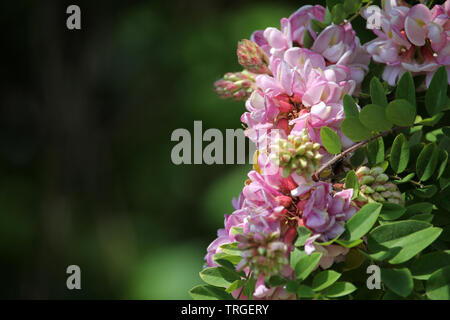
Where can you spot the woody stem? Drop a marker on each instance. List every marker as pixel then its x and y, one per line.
pixel 345 152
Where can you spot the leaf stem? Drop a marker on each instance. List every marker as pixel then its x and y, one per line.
pixel 327 164
pixel 412 181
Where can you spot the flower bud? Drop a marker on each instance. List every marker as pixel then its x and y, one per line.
pixel 375 186
pixel 252 57
pixel 297 153
pixel 237 85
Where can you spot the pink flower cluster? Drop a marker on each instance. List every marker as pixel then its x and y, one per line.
pixel 414 39
pixel 338 44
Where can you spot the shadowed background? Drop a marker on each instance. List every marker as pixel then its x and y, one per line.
pixel 85 124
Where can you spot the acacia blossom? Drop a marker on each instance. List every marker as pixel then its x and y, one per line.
pixel 338 44
pixel 414 39
pixel 302 89
pixel 296 91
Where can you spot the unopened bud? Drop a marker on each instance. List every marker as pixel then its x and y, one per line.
pixel 252 57
pixel 237 85
pixel 362 171
pixel 382 178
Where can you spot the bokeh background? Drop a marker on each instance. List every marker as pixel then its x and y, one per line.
pixel 86 118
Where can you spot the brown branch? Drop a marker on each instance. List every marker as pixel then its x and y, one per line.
pixel 327 164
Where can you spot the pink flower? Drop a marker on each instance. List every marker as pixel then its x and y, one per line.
pixel 275 42
pixel 339 45
pixel 324 213
pixel 214 247
pixel 303 89
pixel 414 39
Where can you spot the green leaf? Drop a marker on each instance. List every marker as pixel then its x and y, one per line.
pixel 427 264
pixel 330 140
pixel 351 6
pixel 355 130
pixel 438 286
pixel 349 244
pixel 295 257
pixel 419 207
pixel 325 279
pixel 305 292
pixel 207 292
pixel 306 265
pixel 400 112
pixel 442 161
pixel 406 89
pixel 391 211
pixel 398 280
pixel 426 192
pixel 405 179
pixel 339 289
pixel 276 281
pixel 358 157
pixel 399 156
pixel 377 93
pixel 400 241
pixel 351 182
pixel 235 285
pixel 422 217
pixel 234 259
pixel 427 162
pixel 338 13
pixel 353 260
pixel 317 26
pixel 415 138
pixel 362 221
pixel 350 108
pixel 219 276
pixel 375 151
pixel 249 287
pixel 292 286
pixel 431 121
pixel 308 40
pixel 231 248
pixel 436 96
pixel 373 117
pixel 303 234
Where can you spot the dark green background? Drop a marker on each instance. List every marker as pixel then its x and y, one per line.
pixel 85 123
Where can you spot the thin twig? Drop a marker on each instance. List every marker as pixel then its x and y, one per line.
pixel 345 152
pixel 411 181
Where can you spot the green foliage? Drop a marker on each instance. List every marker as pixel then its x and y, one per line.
pixel 401 112
pixel 351 182
pixel 436 99
pixel 373 117
pixel 427 162
pixel 391 211
pixel 207 292
pixel 354 129
pixel 339 289
pixel 399 281
pixel 330 140
pixel 375 152
pixel 325 279
pixel 406 89
pixel 350 108
pixel 399 156
pixel 377 93
pixel 303 234
pixel 397 242
pixel 306 264
pixel 362 221
pixel 438 285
